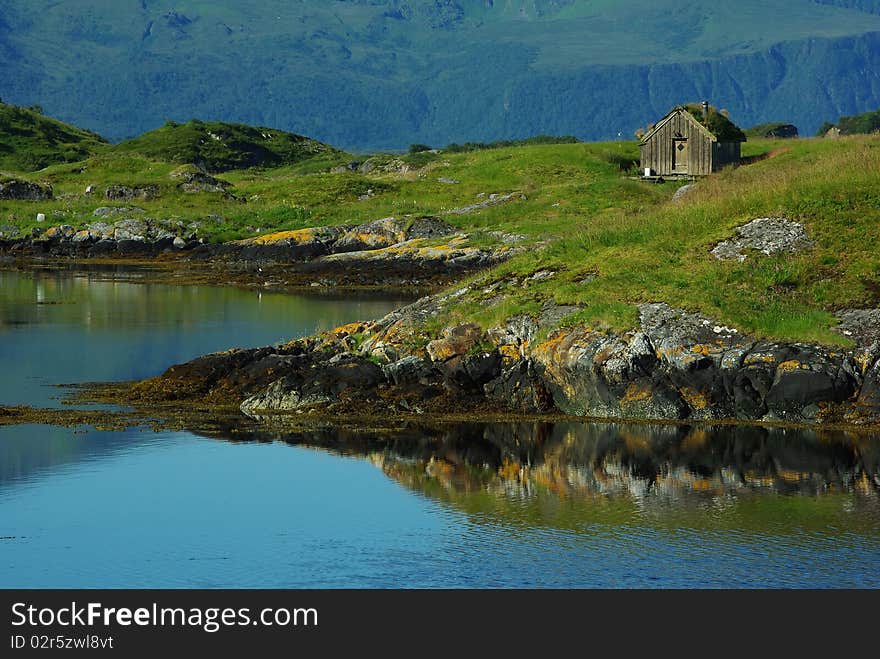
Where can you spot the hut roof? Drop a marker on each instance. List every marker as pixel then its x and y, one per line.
pixel 716 125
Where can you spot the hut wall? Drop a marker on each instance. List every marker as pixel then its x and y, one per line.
pixel 726 153
pixel 657 152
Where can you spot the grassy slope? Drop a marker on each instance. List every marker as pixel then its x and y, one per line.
pixel 586 177
pixel 220 147
pixel 30 141
pixel 596 221
pixel 860 124
pixel 663 253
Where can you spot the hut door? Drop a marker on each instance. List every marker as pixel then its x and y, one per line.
pixel 680 156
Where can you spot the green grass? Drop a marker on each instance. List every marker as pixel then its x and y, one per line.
pixel 662 253
pixel 563 183
pixel 860 124
pixel 220 147
pixel 613 242
pixel 30 141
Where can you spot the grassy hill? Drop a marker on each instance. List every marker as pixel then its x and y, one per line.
pixel 772 129
pixel 861 124
pixel 383 73
pixel 219 147
pixel 610 242
pixel 610 262
pixel 30 141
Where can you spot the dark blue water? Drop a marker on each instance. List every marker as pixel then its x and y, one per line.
pixel 564 505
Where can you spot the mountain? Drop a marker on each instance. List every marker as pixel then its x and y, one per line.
pixel 30 141
pixel 367 74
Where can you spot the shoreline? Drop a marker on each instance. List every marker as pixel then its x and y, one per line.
pixel 673 370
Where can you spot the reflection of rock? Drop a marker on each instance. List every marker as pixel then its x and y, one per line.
pixel 654 464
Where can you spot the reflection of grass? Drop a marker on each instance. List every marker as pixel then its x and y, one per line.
pixel 595 513
pixel 62 299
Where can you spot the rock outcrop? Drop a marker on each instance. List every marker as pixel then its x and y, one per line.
pixel 674 366
pixel 131 192
pixel 193 180
pixel 768 235
pixel 17 190
pixel 405 251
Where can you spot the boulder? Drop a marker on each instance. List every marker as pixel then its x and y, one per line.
pixel 110 211
pixel 130 193
pixel 455 342
pixel 860 325
pixel 17 190
pixel 343 375
pixel 683 191
pixel 768 235
pixel 9 232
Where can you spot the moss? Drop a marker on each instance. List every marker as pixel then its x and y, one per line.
pixel 717 123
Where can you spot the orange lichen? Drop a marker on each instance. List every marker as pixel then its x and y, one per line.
pixel 759 359
pixel 296 236
pixel 636 393
pixel 791 365
pixel 509 353
pixel 698 400
pixel 349 330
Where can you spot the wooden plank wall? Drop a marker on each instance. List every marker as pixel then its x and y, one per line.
pixel 657 152
pixel 727 153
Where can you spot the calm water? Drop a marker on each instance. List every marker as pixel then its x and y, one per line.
pixel 502 505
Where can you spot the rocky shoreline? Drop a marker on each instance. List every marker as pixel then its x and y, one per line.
pixel 408 252
pixel 673 366
pixel 676 366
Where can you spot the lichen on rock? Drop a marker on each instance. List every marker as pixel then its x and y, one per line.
pixel 767 235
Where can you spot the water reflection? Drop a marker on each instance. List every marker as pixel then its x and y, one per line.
pixel 59 327
pixel 467 505
pixel 569 474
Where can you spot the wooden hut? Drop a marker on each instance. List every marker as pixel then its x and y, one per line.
pixel 692 140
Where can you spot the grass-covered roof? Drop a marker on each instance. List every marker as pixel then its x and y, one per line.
pixel 717 122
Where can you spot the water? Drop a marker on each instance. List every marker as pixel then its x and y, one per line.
pixel 473 505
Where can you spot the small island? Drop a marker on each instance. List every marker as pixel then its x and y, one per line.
pixel 552 282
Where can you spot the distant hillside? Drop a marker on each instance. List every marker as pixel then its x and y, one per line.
pixel 30 141
pixel 383 74
pixel 219 147
pixel 773 129
pixel 860 124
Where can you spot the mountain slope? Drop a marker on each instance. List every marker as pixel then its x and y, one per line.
pixel 30 141
pixel 385 73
